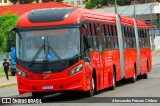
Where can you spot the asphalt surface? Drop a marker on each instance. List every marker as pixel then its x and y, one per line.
pixel 142 88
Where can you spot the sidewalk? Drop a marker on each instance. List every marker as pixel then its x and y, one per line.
pixel 12 79
pixel 156 57
pixel 4 82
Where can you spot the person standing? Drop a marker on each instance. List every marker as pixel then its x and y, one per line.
pixel 6 67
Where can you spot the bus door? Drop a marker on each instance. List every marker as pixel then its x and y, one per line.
pixel 106 55
pixel 99 45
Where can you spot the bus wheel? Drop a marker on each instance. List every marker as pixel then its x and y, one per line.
pixel 133 79
pixel 37 95
pixel 13 73
pixel 145 76
pixel 113 81
pixel 91 92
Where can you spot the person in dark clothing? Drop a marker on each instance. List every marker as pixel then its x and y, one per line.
pixel 6 67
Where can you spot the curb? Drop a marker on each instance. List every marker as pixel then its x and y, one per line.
pixel 158 50
pixel 7 85
pixel 2 75
pixel 155 64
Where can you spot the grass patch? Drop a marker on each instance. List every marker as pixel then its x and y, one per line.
pixel 1 71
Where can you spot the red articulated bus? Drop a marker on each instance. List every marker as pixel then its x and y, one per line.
pixel 75 49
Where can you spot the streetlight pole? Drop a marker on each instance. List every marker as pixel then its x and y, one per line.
pixel 135 9
pixel 151 26
pixel 115 3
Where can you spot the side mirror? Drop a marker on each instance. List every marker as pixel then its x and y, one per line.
pixel 9 39
pixel 8 45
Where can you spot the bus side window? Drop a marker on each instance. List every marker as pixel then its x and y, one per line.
pixel 94 37
pixel 142 38
pixel 103 35
pixel 139 38
pixel 131 39
pixel 99 37
pixel 107 37
pixel 124 37
pixel 112 37
pixel 89 36
pixel 146 38
pixel 116 37
pixel 84 30
pixel 127 37
pixel 133 31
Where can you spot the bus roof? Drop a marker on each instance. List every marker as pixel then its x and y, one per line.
pixel 70 15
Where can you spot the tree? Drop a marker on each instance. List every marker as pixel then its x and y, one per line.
pixel 25 1
pixel 52 0
pixel 124 2
pixel 100 3
pixel 7 21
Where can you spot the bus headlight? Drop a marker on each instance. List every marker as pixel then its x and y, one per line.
pixel 75 70
pixel 21 73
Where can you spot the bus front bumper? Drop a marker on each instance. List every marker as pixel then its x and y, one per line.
pixel 75 82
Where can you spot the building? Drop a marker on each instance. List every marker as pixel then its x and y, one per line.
pixel 146 1
pixel 11 2
pixel 5 2
pixel 78 3
pixel 22 8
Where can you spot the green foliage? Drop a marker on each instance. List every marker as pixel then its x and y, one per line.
pixel 59 1
pixel 89 5
pixel 124 2
pixel 100 3
pixel 7 21
pixel 1 71
pixel 27 1
pixel 158 21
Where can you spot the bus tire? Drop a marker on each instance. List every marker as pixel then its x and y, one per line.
pixel 37 95
pixel 113 81
pixel 13 73
pixel 91 92
pixel 145 76
pixel 133 79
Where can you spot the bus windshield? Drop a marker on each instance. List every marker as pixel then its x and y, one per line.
pixel 65 42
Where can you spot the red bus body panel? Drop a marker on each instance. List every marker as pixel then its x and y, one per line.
pixel 60 81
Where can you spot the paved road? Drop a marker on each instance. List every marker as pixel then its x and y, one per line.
pixel 142 88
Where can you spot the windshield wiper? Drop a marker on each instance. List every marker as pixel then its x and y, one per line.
pixel 36 55
pixel 54 52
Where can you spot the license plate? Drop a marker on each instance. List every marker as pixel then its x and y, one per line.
pixel 47 87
